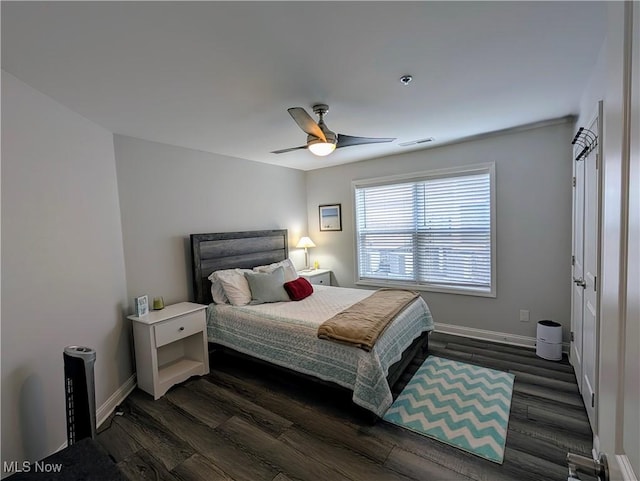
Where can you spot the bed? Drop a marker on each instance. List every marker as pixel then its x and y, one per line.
pixel 285 333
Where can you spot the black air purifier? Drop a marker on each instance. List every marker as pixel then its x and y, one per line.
pixel 80 393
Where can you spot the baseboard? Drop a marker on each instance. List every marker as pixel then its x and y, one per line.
pixel 626 469
pixel 493 336
pixel 104 411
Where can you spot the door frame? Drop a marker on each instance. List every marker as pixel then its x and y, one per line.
pixel 620 146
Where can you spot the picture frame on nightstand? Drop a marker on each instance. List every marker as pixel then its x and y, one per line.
pixel 141 305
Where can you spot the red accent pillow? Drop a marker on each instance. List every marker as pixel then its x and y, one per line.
pixel 298 289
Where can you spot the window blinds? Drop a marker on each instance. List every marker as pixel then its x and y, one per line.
pixel 431 231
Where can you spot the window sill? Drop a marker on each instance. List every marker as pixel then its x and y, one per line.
pixel 426 288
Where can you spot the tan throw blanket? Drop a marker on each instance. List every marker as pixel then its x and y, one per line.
pixel 362 324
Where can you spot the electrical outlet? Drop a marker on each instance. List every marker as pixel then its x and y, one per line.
pixel 524 315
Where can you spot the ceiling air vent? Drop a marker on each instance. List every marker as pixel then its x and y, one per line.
pixel 416 142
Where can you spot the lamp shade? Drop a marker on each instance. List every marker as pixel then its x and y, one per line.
pixel 322 148
pixel 305 242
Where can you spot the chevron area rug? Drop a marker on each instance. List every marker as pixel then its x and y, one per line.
pixel 457 403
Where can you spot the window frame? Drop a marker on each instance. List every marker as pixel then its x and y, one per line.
pixel 480 168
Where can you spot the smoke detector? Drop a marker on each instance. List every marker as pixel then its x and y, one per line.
pixel 406 79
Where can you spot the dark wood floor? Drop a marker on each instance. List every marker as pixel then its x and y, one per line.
pixel 248 422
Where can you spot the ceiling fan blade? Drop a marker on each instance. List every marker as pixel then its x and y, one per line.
pixel 291 149
pixel 306 122
pixel 349 140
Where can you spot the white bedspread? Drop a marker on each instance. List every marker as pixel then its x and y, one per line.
pixel 285 333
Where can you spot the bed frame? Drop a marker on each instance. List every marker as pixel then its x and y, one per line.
pixel 228 250
pixel 248 249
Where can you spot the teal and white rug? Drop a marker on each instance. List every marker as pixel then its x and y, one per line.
pixel 457 403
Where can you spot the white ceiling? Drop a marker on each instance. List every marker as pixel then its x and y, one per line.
pixel 219 76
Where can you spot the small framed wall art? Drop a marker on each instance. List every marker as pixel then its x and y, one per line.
pixel 330 217
pixel 141 305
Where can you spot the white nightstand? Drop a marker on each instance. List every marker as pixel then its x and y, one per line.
pixel 171 346
pixel 317 276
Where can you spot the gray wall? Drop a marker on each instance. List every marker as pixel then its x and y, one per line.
pixel 65 245
pixel 167 193
pixel 63 278
pixel 533 196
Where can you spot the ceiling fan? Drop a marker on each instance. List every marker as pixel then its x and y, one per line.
pixel 320 140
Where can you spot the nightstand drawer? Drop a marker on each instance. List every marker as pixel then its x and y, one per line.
pixel 317 276
pixel 179 327
pixel 324 279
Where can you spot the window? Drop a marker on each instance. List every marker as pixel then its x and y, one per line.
pixel 431 231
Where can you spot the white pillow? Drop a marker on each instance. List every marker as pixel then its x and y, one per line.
pixel 217 291
pixel 290 273
pixel 235 286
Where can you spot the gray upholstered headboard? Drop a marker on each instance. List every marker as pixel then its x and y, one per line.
pixel 227 250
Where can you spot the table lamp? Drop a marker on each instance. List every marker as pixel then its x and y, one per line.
pixel 305 243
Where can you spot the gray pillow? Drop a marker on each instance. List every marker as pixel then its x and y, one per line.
pixel 267 287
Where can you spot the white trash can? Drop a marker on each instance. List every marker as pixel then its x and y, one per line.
pixel 549 340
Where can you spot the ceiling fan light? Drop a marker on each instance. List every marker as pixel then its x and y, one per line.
pixel 322 149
